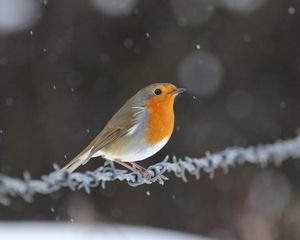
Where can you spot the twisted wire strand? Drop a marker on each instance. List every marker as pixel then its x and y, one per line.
pixel 261 154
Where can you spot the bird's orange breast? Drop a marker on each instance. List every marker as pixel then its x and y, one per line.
pixel 160 123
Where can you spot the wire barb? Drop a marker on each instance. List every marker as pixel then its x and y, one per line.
pixel 262 154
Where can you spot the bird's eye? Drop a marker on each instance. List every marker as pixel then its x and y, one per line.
pixel 157 91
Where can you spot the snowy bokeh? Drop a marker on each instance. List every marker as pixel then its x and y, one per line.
pixel 193 13
pixel 18 15
pixel 69 231
pixel 115 7
pixel 269 193
pixel 268 198
pixel 201 73
pixel 242 6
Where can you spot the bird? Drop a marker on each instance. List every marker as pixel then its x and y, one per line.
pixel 141 128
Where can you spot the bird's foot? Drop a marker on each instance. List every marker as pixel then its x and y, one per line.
pixel 136 167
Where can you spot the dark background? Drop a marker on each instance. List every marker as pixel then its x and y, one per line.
pixel 67 66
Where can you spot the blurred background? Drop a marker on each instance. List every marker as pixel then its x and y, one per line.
pixel 67 66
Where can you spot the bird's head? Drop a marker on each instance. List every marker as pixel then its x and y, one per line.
pixel 160 94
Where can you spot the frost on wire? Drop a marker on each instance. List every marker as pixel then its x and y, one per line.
pixel 262 155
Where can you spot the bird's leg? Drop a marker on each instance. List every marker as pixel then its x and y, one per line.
pixel 124 164
pixel 135 167
pixel 142 170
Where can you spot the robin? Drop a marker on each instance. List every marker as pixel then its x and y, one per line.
pixel 137 131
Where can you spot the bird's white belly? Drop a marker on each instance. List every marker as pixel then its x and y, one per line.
pixel 140 151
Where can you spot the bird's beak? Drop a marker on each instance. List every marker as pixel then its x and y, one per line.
pixel 178 91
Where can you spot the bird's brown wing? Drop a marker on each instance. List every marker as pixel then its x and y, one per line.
pixel 104 139
pixel 117 127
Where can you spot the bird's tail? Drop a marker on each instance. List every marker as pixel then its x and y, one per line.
pixel 81 159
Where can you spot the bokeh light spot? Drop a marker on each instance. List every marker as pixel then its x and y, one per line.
pixel 242 6
pixel 18 15
pixel 114 7
pixel 201 73
pixel 193 12
pixel 269 193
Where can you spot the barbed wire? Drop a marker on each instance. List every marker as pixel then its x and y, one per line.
pixel 262 155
